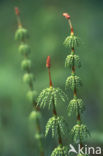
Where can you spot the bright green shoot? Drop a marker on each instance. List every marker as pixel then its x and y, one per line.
pixel 51 97
pixel 80 131
pixel 22 35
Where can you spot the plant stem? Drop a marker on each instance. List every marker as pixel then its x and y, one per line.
pixel 71 27
pixel 72 41
pixel 54 108
pixel 40 140
pixel 50 81
pixel 75 93
pixel 73 71
pixel 59 133
pixel 36 108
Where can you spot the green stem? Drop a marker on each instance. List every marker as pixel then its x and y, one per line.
pixel 54 109
pixel 40 140
pixel 37 122
pixel 75 95
pixel 59 133
pixel 73 72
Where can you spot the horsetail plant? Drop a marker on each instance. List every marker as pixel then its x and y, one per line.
pixel 51 97
pixel 76 105
pixel 22 36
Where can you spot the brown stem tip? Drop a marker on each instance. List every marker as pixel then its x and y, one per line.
pixel 48 62
pixel 17 11
pixel 48 65
pixel 66 15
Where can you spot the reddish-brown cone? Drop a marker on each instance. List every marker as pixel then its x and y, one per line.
pixel 48 65
pixel 17 11
pixel 66 15
pixel 48 62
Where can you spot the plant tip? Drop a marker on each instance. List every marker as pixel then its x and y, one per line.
pixel 66 15
pixel 48 62
pixel 17 11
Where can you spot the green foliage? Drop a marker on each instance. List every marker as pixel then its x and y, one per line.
pixel 71 41
pixel 72 60
pixel 79 132
pixel 32 95
pixel 26 64
pixel 76 105
pixel 54 123
pixel 60 151
pixel 35 115
pixel 73 82
pixel 28 78
pixel 24 49
pixel 50 95
pixel 21 34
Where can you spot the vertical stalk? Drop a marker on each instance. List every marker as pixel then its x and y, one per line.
pixel 48 65
pixel 35 107
pixel 67 16
pixel 59 134
pixel 75 90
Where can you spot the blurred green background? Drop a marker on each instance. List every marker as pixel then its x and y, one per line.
pixel 48 30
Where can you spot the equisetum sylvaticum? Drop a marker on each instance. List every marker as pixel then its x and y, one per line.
pixel 76 105
pixel 22 37
pixel 51 97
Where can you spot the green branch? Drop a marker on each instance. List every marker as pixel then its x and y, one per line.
pixel 79 131
pixel 22 36
pixel 51 97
